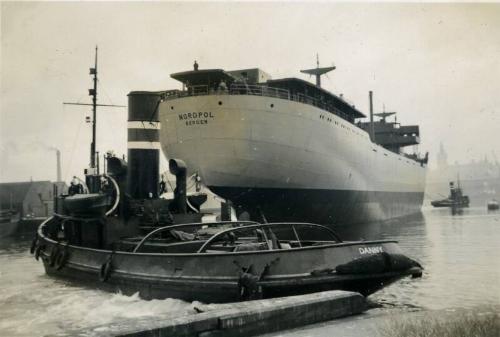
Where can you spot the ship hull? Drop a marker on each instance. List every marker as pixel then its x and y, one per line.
pixel 324 206
pixel 289 161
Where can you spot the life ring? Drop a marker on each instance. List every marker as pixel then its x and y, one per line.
pixel 60 259
pixel 105 270
pixel 53 255
pixel 33 245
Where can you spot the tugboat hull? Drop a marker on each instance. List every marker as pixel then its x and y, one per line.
pixel 219 277
pixel 449 203
pixel 221 291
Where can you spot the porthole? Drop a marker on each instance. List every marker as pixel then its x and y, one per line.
pixel 272 105
pixel 171 108
pixel 220 102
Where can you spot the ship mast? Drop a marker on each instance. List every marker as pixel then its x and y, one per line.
pixel 93 93
pixel 318 71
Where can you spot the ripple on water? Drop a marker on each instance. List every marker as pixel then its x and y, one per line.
pixel 33 304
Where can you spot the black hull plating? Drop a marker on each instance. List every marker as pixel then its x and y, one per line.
pixel 219 292
pixel 321 206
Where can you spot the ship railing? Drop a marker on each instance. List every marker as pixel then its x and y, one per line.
pixel 271 234
pixel 193 90
pixel 258 90
pixel 234 89
pixel 296 231
pixel 324 105
pixel 192 228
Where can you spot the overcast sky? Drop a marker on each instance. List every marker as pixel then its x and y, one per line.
pixel 437 65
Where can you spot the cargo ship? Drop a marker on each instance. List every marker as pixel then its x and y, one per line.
pixel 289 150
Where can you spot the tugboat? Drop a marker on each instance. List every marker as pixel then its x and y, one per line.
pixel 122 236
pixel 222 261
pixel 493 205
pixel 456 199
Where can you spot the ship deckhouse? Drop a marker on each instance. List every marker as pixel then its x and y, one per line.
pixel 392 135
pixel 309 93
pixel 257 82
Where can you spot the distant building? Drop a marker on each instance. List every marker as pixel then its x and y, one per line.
pixel 480 179
pixel 30 199
pixel 442 157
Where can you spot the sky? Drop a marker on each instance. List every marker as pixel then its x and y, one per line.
pixel 436 64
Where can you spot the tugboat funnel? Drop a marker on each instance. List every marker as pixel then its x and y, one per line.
pixel 143 145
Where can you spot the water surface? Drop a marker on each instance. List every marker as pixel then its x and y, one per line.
pixel 460 254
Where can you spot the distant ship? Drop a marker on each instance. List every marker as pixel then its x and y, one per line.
pixel 480 178
pixel 493 205
pixel 455 199
pixel 289 150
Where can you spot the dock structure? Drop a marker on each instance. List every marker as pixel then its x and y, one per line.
pixel 249 318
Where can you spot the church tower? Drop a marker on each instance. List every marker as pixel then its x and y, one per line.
pixel 442 157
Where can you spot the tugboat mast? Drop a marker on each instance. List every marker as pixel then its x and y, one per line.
pixel 93 93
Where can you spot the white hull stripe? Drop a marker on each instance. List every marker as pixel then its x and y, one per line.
pixel 144 145
pixel 144 125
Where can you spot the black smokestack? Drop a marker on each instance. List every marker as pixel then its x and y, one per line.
pixel 372 131
pixel 58 156
pixel 143 144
